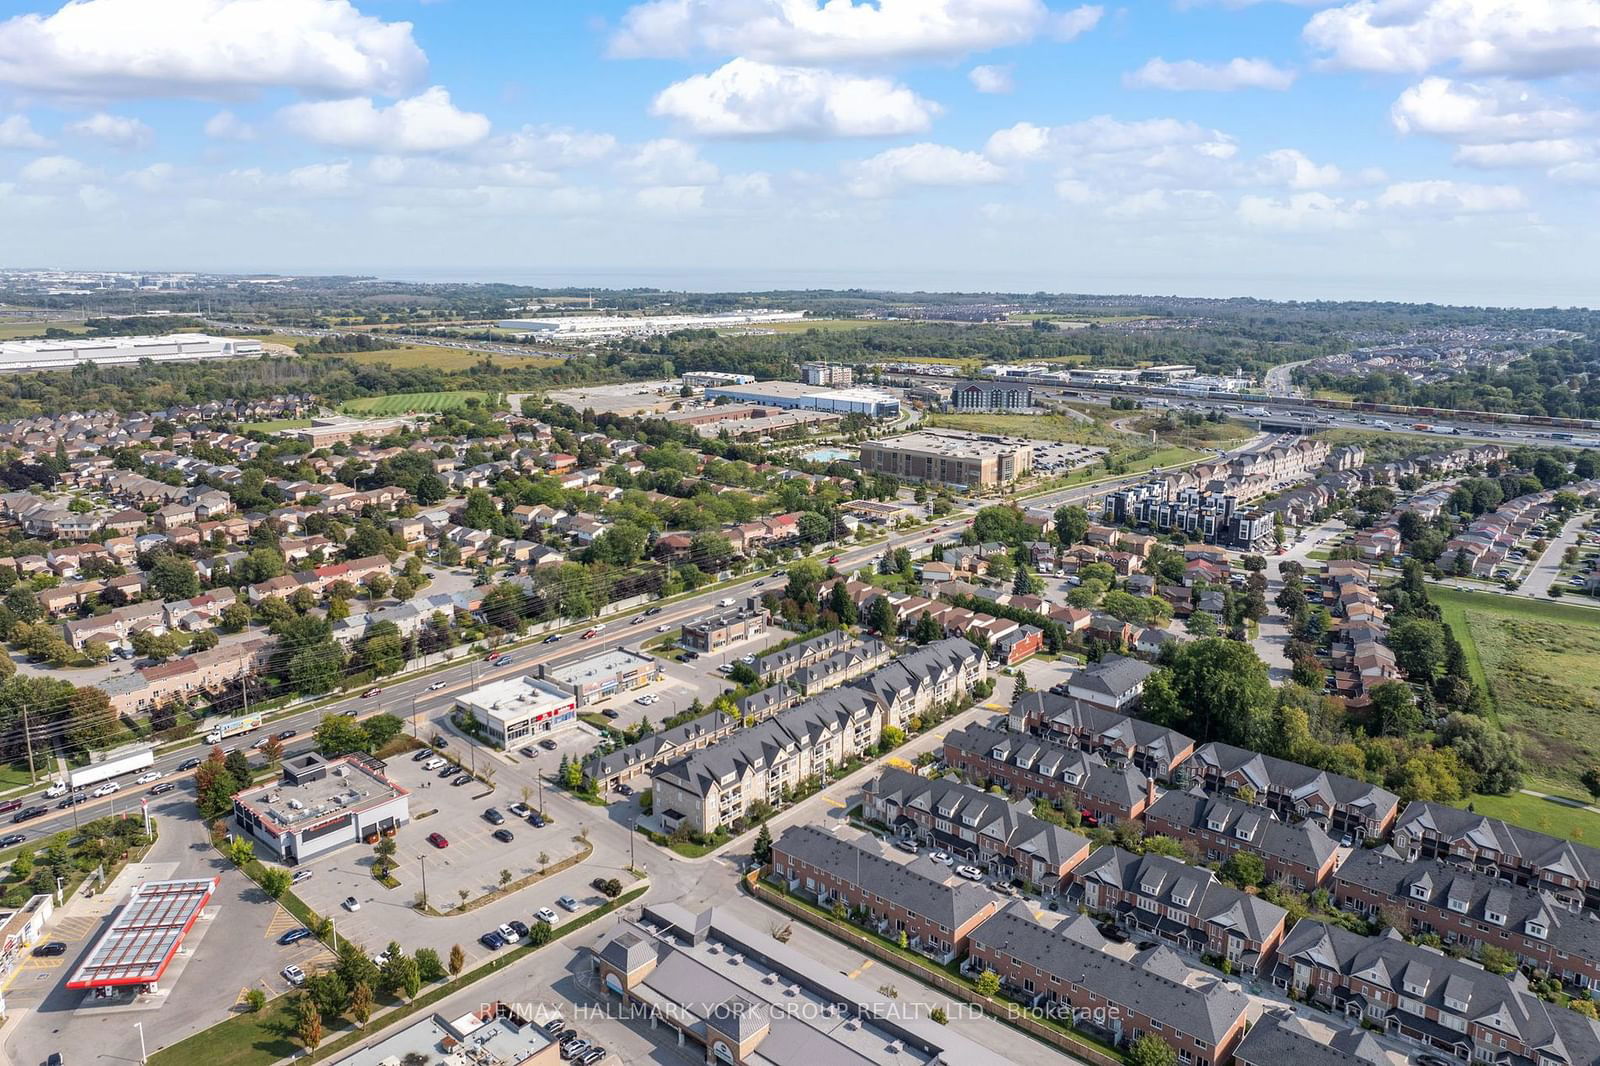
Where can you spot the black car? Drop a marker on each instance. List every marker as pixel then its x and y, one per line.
pixel 1113 934
pixel 551 639
pixel 625 790
pixel 286 734
pixel 28 813
pixel 294 936
pixel 611 712
pixel 494 817
pixel 73 800
pixel 188 764
pixel 462 780
pixel 521 930
pixel 553 1026
pixel 163 788
pixel 547 744
pixel 505 837
pixel 50 950
pixel 440 742
pixel 652 612
pixel 690 656
pixel 536 820
pixel 422 753
pixel 492 940
pixel 11 840
pixel 449 770
pixel 527 752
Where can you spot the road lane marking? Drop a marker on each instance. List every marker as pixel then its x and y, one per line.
pixel 859 970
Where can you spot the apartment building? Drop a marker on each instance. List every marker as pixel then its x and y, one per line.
pixel 1569 871
pixel 1441 1003
pixel 982 829
pixel 1036 767
pixel 1216 827
pixel 1342 804
pixel 928 677
pixel 856 659
pixel 950 457
pixel 936 910
pixel 1119 739
pixel 1186 906
pixel 716 785
pixel 1067 973
pixel 632 763
pixel 1469 910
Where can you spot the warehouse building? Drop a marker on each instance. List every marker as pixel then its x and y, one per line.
pixel 950 457
pixel 795 395
pixel 321 804
pixel 64 353
pixel 518 709
pixel 596 326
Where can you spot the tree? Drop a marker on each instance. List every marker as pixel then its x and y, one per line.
pixel 240 851
pixel 1244 869
pixel 174 578
pixel 927 630
pixel 1201 624
pixel 1072 524
pixel 762 850
pixel 1497 960
pixel 458 960
pixel 1221 691
pixel 1419 647
pixel 255 999
pixel 1151 1050
pixel 308 1022
pixel 97 650
pixel 1591 779
pixel 988 984
pixel 361 1004
pixel 1394 710
pixel 275 881
pixel 841 605
pixel 882 617
pixel 401 974
pixel 429 968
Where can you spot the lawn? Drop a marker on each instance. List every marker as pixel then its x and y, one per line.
pixel 440 357
pixel 1540 662
pixel 824 325
pixel 277 425
pixel 1038 427
pixel 10 330
pixel 1544 815
pixel 413 402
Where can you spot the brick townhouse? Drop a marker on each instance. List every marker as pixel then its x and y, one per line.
pixel 980 828
pixel 1568 870
pixel 630 764
pixel 936 910
pixel 1420 994
pixel 1036 767
pixel 1116 737
pixel 1468 910
pixel 1279 1037
pixel 1342 804
pixel 925 678
pixel 1067 973
pixel 1182 905
pixel 1298 854
pixel 1115 683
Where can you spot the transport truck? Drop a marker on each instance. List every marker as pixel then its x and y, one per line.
pixel 234 727
pixel 115 764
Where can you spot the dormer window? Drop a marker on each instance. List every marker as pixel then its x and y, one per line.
pixel 1455 1005
pixel 1150 888
pixel 1493 918
pixel 1419 891
pixel 998 754
pixel 1216 825
pixel 1071 777
pixel 1412 989
pixel 1535 928
pixel 1456 904
pixel 1245 832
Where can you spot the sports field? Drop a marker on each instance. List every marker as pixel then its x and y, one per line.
pixel 403 403
pixel 1540 662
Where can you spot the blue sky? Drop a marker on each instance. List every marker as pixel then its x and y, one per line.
pixel 1392 149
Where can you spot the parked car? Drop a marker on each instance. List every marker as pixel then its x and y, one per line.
pixel 494 817
pixel 294 975
pixel 462 780
pixel 508 934
pixel 536 820
pixel 612 712
pixel 147 777
pixel 941 857
pixel 438 840
pixel 505 836
pixel 492 940
pixel 49 950
pixel 422 755
pixel 592 1056
pixel 907 846
pixel 351 903
pixel 546 915
pixel 572 1050
pixel 547 744
pixel 294 936
pixel 567 903
pixel 299 876
pixel 971 873
pixel 553 1026
pixel 519 810
pixel 625 790
pixel 449 769
pixel 520 928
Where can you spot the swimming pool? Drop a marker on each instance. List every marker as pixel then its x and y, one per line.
pixel 827 455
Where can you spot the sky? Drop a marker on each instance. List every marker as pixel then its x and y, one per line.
pixel 1443 150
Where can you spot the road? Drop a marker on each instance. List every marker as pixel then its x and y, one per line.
pixel 1547 571
pixel 1272 633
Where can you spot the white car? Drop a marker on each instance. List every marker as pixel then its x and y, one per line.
pixel 106 789
pixel 508 934
pixel 941 856
pixel 663 627
pixel 437 685
pixel 147 777
pixel 381 959
pixel 351 903
pixel 294 975
pixel 748 660
pixel 546 915
pixel 971 873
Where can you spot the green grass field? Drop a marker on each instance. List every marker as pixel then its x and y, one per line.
pixel 1544 815
pixel 824 325
pixel 443 358
pixel 1039 427
pixel 10 331
pixel 1540 661
pixel 414 402
pixel 277 425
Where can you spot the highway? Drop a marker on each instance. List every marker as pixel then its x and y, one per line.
pixel 414 699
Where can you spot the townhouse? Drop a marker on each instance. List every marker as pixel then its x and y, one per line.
pixel 1468 910
pixel 1421 994
pixel 982 829
pixel 1036 767
pixel 1279 1037
pixel 1119 739
pixel 1215 827
pixel 1569 871
pixel 632 763
pixel 846 664
pixel 922 899
pixel 206 672
pixel 781 664
pixel 115 626
pixel 1343 805
pixel 927 677
pixel 1066 973
pixel 1186 906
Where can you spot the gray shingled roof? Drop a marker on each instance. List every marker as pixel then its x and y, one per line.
pixel 1172 882
pixel 1295 780
pixel 1302 842
pixel 1084 772
pixel 1475 833
pixel 655 745
pixel 1059 713
pixel 1277 1039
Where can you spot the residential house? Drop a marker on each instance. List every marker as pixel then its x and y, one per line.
pixel 1343 805
pixel 1568 870
pixel 1117 738
pixel 1037 767
pixel 1214 828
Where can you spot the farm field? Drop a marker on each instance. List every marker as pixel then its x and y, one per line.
pixel 277 425
pixel 10 331
pixel 413 402
pixel 1540 662
pixel 440 357
pixel 824 325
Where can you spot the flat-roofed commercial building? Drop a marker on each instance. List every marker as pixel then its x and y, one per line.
pixel 518 709
pixel 730 625
pixel 66 352
pixel 604 675
pixel 321 804
pixel 495 1034
pixel 950 457
pixel 874 403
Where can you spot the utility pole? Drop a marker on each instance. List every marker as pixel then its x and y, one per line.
pixel 424 859
pixel 27 737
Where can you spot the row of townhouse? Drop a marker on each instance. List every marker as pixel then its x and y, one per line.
pixel 1215 828
pixel 981 829
pixel 320 579
pixel 1009 642
pixel 781 664
pixel 200 674
pixel 1093 726
pixel 1344 806
pixel 1359 650
pixel 632 763
pixel 1300 505
pixel 1450 1005
pixel 1041 768
pixel 1468 911
pixel 1567 870
pixel 717 785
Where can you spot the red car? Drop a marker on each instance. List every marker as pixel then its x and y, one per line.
pixel 371 692
pixel 589 634
pixel 832 559
pixel 438 840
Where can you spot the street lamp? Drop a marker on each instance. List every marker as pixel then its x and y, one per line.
pixel 60 881
pixel 144 1058
pixel 424 860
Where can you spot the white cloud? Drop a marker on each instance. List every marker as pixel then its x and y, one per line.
pixel 17 132
pixel 433 173
pixel 991 79
pixel 155 178
pixel 427 122
pixel 1291 168
pixel 207 48
pixel 920 165
pixel 1483 112
pixel 323 179
pixel 55 170
pixel 96 197
pixel 1549 153
pixel 1184 204
pixel 668 162
pixel 831 31
pixel 745 98
pixel 226 126
pixel 552 146
pixel 1451 197
pixel 1587 173
pixel 1520 37
pixel 671 199
pixel 117 130
pixel 1189 75
pixel 1301 211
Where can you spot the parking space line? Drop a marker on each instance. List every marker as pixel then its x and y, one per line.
pixel 239 1000
pixel 282 921
pixel 75 928
pixel 859 970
